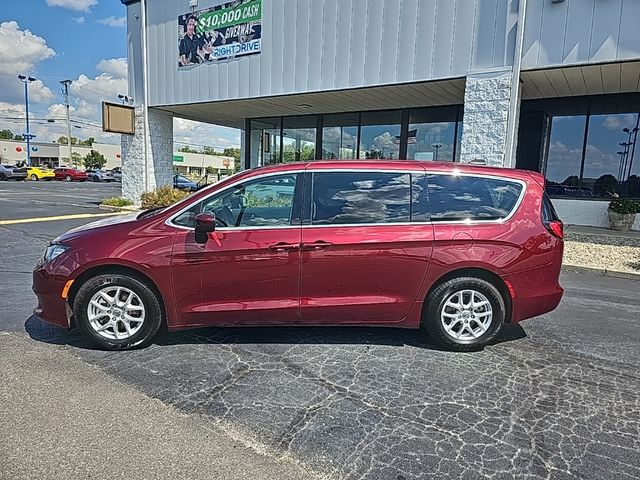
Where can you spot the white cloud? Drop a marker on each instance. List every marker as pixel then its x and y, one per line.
pixel 196 134
pixel 79 20
pixel 20 53
pixel 113 21
pixel 116 67
pixel 618 122
pixel 77 5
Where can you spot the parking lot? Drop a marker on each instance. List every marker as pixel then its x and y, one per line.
pixel 555 397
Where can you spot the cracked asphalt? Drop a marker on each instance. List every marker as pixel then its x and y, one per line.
pixel 557 397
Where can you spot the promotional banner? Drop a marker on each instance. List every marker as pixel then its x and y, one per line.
pixel 218 33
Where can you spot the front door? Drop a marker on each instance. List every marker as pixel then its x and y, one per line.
pixel 363 259
pixel 248 271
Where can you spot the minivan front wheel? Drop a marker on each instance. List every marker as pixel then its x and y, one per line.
pixel 117 311
pixel 464 314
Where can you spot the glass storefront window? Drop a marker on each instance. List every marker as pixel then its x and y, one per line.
pixel 565 156
pixel 607 163
pixel 380 135
pixel 298 139
pixel 432 134
pixel 265 142
pixel 340 136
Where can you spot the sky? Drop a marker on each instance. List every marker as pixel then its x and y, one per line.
pixel 80 40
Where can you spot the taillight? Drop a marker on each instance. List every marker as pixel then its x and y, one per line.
pixel 555 228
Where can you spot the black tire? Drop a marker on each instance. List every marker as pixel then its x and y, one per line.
pixel 3 177
pixel 436 303
pixel 68 178
pixel 95 178
pixel 153 312
pixel 34 177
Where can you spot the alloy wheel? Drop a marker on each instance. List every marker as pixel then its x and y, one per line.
pixel 466 315
pixel 116 313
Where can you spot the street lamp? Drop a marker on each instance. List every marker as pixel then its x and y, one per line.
pixel 634 132
pixel 27 136
pixel 436 147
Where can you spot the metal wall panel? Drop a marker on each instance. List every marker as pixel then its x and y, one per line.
pixel 315 45
pixel 580 32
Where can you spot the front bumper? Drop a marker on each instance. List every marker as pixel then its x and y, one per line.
pixel 51 308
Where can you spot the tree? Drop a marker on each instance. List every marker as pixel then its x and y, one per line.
pixel 235 153
pixel 18 137
pixel 94 159
pixel 209 151
pixel 187 149
pixel 62 140
pixel 86 143
pixel 571 181
pixel 6 134
pixel 605 185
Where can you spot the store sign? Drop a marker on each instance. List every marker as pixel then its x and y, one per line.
pixel 178 158
pixel 219 33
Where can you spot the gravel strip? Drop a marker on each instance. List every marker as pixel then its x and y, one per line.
pixel 602 251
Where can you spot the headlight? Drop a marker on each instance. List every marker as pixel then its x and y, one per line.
pixel 54 250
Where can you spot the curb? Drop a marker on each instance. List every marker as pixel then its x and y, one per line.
pixel 112 208
pixel 604 272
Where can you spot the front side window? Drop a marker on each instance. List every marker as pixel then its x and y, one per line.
pixel 263 202
pixel 340 198
pixel 456 197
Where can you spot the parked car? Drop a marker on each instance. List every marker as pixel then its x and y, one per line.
pixel 40 173
pixel 11 172
pixel 459 249
pixel 117 174
pixel 98 175
pixel 70 174
pixel 183 183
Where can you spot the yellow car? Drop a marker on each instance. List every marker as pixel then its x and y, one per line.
pixel 37 173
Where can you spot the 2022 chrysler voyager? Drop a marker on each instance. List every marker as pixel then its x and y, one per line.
pixel 458 249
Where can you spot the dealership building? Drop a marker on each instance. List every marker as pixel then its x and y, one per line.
pixel 547 85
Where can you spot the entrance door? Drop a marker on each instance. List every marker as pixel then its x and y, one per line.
pixel 363 261
pixel 250 275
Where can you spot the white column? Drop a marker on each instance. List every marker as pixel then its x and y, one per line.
pixel 486 120
pixel 145 169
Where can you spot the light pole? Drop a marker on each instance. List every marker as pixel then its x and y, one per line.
pixel 27 136
pixel 65 93
pixel 436 147
pixel 634 132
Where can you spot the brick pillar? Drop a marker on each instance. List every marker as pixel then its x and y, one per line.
pixel 159 138
pixel 486 116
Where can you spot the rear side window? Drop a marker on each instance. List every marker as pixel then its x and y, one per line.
pixel 340 198
pixel 548 212
pixel 461 197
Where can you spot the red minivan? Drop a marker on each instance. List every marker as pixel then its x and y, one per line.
pixel 458 249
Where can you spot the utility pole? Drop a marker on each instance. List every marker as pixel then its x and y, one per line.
pixel 27 136
pixel 65 93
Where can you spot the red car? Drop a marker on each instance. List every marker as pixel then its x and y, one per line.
pixel 70 174
pixel 459 249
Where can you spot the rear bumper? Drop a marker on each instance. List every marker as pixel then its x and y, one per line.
pixel 17 176
pixel 536 292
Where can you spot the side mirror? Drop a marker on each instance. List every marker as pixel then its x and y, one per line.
pixel 205 224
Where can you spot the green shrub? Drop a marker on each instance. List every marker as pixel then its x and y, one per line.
pixel 117 202
pixel 162 197
pixel 626 206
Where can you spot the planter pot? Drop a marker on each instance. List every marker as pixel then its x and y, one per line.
pixel 621 221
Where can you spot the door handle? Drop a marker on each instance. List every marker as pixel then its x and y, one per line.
pixel 284 247
pixel 317 245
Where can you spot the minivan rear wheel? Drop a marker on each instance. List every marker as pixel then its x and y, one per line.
pixel 117 312
pixel 464 314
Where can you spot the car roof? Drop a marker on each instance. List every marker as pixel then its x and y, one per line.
pixel 355 164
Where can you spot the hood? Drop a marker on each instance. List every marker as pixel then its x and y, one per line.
pixel 105 222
